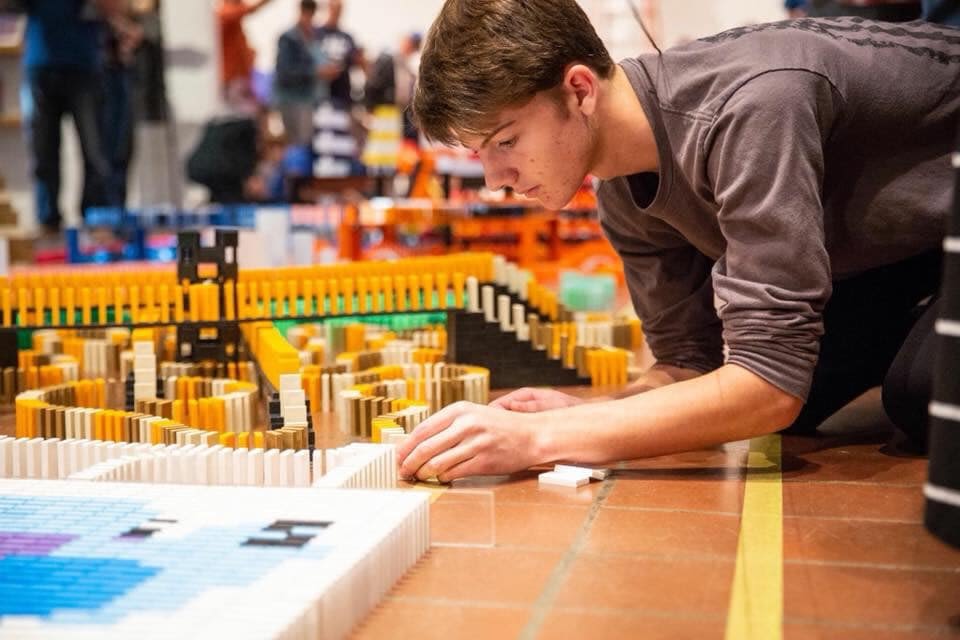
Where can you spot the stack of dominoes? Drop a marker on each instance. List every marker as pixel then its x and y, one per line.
pixel 144 371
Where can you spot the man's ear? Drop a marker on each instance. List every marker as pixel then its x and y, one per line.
pixel 582 86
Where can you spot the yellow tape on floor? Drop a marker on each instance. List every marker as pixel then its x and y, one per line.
pixel 756 601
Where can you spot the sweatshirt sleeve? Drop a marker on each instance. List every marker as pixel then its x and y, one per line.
pixel 669 282
pixel 765 162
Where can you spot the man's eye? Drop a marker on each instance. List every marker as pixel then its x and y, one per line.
pixel 507 144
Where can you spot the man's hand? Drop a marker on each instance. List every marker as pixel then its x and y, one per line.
pixel 531 400
pixel 467 439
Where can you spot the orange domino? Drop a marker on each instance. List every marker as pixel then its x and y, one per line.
pixel 258 439
pixel 100 389
pixel 219 415
pixel 320 287
pixel 375 304
pixel 135 304
pixel 149 299
pixel 177 410
pixel 101 305
pixel 85 305
pixel 243 440
pixel 5 298
pixel 266 293
pixel 230 301
pixel 193 413
pixel 400 287
pixel 280 288
pixel 443 280
pixel 119 297
pixel 459 281
pixel 308 303
pixel 164 303
pixel 427 281
pixel 292 295
pixel 23 317
pixel 228 440
pixel 414 287
pixel 205 408
pixel 195 295
pixel 387 283
pixel 346 285
pixel 178 314
pixel 242 308
pixel 39 305
pixel 253 304
pixel 333 289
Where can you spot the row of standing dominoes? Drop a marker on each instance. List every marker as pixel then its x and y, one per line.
pixel 358 465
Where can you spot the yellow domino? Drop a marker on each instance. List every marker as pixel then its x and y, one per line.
pixel 459 282
pixel 443 280
pixel 39 304
pixel 346 285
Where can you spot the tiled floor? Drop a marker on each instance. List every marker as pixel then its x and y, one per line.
pixel 651 552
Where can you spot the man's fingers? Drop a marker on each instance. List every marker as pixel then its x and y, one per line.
pixel 521 395
pixel 430 427
pixel 439 464
pixel 471 466
pixel 525 406
pixel 429 448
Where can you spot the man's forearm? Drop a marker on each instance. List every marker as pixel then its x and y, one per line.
pixel 659 375
pixel 728 404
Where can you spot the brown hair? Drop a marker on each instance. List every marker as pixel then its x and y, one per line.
pixel 484 56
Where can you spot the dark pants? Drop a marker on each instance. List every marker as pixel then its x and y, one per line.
pixel 57 92
pixel 117 129
pixel 878 330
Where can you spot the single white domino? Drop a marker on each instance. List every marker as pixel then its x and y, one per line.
pixel 290 382
pixel 489 308
pixel 301 468
pixel 48 458
pixel 240 467
pixel 473 297
pixel 286 468
pixel 271 468
pixel 595 474
pixel 145 361
pixel 255 467
pixel 33 457
pixel 225 464
pixel 562 479
pixel 142 347
pixel 503 312
pixel 6 457
pixel 295 414
pixel 292 398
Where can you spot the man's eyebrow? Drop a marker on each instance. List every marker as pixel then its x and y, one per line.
pixel 486 140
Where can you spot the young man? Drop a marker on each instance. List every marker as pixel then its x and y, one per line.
pixel 777 193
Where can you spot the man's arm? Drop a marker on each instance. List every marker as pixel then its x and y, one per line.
pixel 727 404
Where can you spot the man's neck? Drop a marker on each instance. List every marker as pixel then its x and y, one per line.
pixel 626 141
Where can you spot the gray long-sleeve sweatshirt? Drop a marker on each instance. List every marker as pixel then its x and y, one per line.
pixel 792 154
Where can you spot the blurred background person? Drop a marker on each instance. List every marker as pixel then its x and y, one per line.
pixel 392 78
pixel 123 38
pixel 298 83
pixel 340 50
pixel 63 70
pixel 236 55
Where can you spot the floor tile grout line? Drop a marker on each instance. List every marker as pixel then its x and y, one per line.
pixel 560 571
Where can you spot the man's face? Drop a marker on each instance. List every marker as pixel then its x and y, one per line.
pixel 542 150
